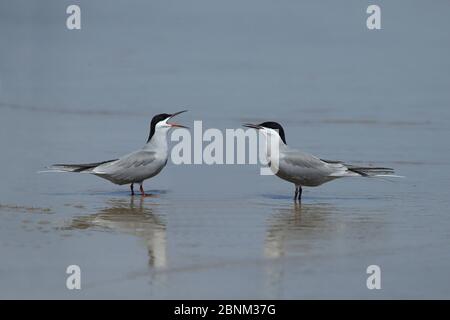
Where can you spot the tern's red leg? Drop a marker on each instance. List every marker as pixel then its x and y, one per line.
pixel 143 192
pixel 132 189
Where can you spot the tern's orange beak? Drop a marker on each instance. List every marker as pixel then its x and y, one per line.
pixel 176 125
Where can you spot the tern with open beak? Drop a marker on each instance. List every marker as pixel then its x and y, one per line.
pixel 137 166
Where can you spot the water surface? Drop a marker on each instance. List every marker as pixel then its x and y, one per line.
pixel 342 92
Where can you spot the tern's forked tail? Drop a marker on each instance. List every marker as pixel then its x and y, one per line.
pixel 374 171
pixel 83 167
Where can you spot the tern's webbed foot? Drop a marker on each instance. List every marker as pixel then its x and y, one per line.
pixel 147 195
pixel 143 194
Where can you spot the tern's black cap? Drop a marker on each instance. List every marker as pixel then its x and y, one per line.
pixel 276 126
pixel 155 120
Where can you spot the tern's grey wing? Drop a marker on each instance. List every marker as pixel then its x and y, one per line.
pixel 307 170
pixel 136 159
pixel 303 160
pixel 134 167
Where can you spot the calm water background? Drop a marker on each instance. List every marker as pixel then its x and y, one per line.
pixel 341 91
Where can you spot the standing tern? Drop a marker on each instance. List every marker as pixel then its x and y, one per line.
pixel 137 166
pixel 304 169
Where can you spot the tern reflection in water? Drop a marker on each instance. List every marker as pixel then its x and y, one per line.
pixel 293 223
pixel 292 232
pixel 131 217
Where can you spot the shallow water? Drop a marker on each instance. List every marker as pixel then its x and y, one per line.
pixel 341 92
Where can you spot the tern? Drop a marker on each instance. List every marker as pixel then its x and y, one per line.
pixel 137 166
pixel 306 170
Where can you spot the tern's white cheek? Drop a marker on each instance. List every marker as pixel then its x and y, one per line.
pixel 273 133
pixel 264 132
pixel 162 125
pixel 268 134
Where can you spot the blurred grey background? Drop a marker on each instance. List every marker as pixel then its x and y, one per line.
pixel 340 90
